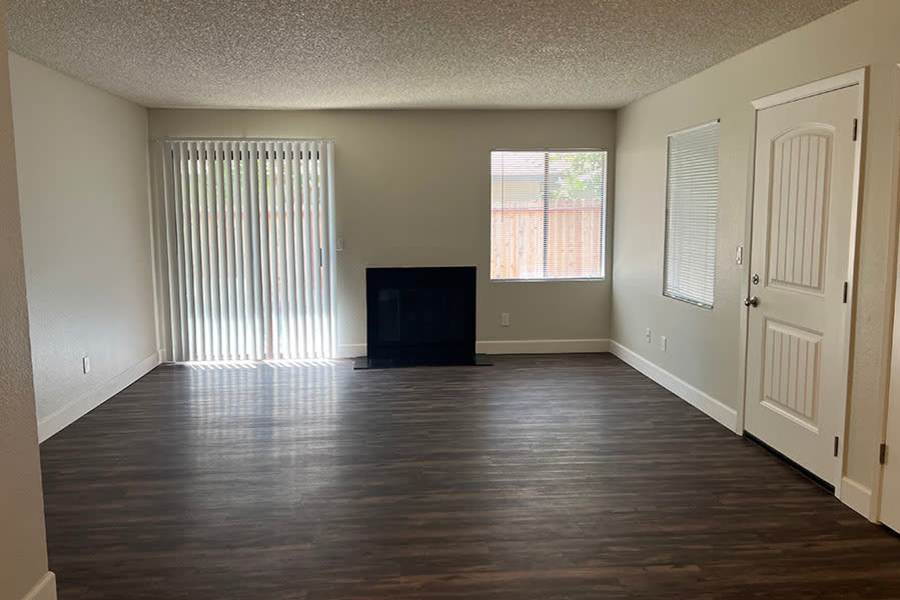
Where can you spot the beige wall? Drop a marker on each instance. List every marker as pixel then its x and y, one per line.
pixel 413 188
pixel 704 345
pixel 83 185
pixel 23 553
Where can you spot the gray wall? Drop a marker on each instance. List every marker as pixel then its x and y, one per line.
pixel 413 188
pixel 704 345
pixel 83 187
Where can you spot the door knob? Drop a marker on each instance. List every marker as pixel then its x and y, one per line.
pixel 751 301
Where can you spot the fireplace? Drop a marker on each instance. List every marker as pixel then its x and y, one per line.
pixel 420 316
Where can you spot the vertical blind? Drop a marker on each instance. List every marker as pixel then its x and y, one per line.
pixel 548 214
pixel 245 249
pixel 692 198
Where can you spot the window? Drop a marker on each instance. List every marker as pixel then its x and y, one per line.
pixel 692 198
pixel 548 214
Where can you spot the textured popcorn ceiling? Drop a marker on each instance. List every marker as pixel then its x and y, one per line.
pixel 394 53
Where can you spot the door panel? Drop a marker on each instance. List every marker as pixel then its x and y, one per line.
pixel 800 180
pixel 793 364
pixel 796 375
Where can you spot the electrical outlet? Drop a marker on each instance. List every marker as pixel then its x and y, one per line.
pixel 663 343
pixel 504 319
pixel 86 364
pixel 648 335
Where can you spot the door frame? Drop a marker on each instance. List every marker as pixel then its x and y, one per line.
pixel 844 80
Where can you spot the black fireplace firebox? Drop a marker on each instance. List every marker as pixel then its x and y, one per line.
pixel 420 316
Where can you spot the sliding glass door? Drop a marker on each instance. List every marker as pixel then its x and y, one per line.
pixel 245 249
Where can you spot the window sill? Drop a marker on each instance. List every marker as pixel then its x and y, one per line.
pixel 696 303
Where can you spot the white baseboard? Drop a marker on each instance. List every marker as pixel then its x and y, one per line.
pixel 713 408
pixel 856 496
pixel 542 346
pixel 509 347
pixel 350 350
pixel 45 589
pixel 71 412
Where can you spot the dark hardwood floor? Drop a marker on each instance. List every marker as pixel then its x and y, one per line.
pixel 542 477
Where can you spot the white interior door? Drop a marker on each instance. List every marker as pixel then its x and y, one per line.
pixel 802 208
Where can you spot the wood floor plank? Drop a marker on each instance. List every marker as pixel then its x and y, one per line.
pixel 542 477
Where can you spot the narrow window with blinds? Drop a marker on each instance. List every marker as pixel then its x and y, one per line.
pixel 692 198
pixel 548 215
pixel 245 249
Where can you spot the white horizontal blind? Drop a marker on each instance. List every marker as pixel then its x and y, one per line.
pixel 692 200
pixel 246 249
pixel 548 214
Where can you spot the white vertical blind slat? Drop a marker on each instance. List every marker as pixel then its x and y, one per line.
pixel 245 271
pixel 299 246
pixel 330 251
pixel 289 215
pixel 277 245
pixel 203 202
pixel 185 283
pixel 317 249
pixel 218 221
pixel 168 238
pixel 211 250
pixel 283 252
pixel 247 249
pixel 307 248
pixel 197 265
pixel 251 168
pixel 227 237
pixel 236 252
pixel 267 297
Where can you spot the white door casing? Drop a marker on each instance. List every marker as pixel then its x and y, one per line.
pixel 800 263
pixel 890 486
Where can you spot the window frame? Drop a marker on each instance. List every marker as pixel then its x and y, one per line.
pixel 665 270
pixel 604 226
